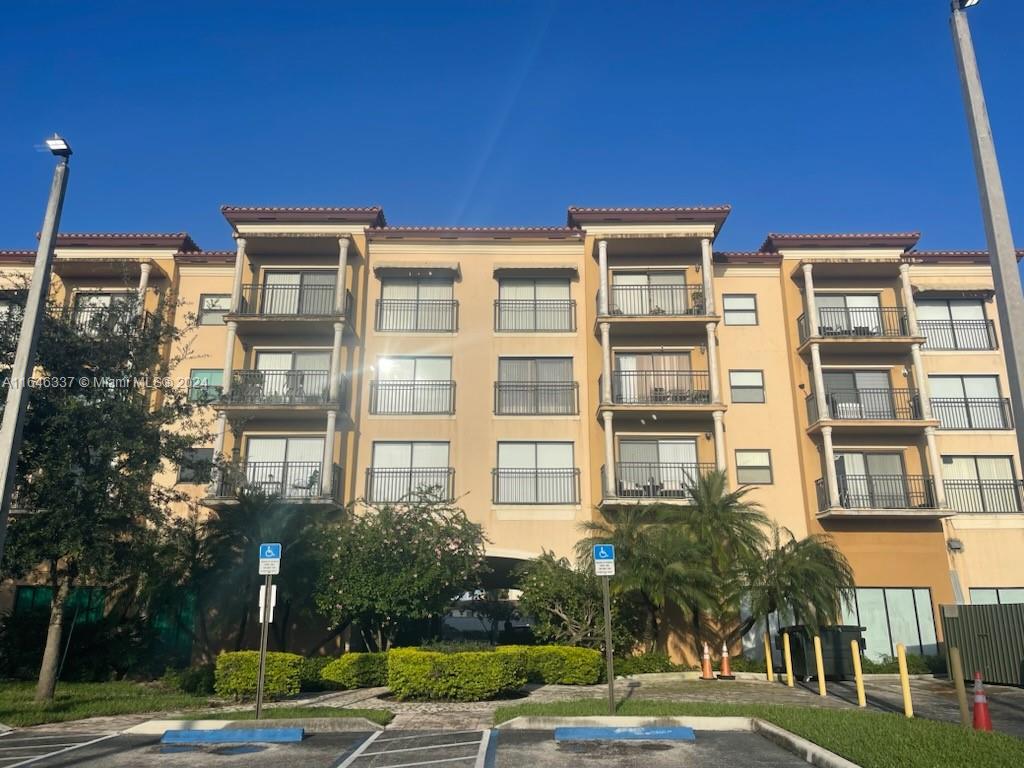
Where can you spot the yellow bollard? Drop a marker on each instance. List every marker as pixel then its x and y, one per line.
pixel 956 671
pixel 857 675
pixel 769 669
pixel 820 664
pixel 789 659
pixel 901 658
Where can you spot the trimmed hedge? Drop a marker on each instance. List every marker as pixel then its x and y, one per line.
pixel 236 673
pixel 558 664
pixel 357 670
pixel 470 676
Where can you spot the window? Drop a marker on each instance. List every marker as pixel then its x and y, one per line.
pixel 298 293
pixel 196 466
pixel 955 324
pixel 402 468
pixel 892 615
pixel 746 386
pixel 281 376
pixel 288 467
pixel 413 385
pixel 866 395
pixel 969 402
pixel 95 313
pixel 740 309
pixel 654 293
pixel 213 307
pixel 849 314
pixel 204 384
pixel 658 377
pixel 535 473
pixel 535 385
pixel 657 468
pixel 528 304
pixel 85 603
pixel 12 303
pixel 411 304
pixel 754 467
pixel 981 484
pixel 878 481
pixel 996 595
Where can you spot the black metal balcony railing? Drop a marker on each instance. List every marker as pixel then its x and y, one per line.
pixel 958 334
pixel 535 486
pixel 279 387
pixel 668 387
pixel 412 396
pixel 659 480
pixel 385 485
pixel 656 300
pixel 880 492
pixel 261 299
pixel 985 495
pixel 867 322
pixel 973 412
pixel 536 398
pixel 293 480
pixel 868 404
pixel 535 315
pixel 421 315
pixel 93 321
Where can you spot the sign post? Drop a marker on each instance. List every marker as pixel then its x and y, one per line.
pixel 604 566
pixel 270 566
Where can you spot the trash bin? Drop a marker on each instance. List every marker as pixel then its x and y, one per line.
pixel 835 650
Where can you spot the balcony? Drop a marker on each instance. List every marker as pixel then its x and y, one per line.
pixel 414 397
pixel 289 309
pixel 292 481
pixel 556 398
pixel 417 315
pixel 858 330
pixel 960 335
pixel 955 413
pixel 880 496
pixel 390 485
pixel 287 391
pixel 656 309
pixel 535 315
pixel 985 496
pixel 670 391
pixel 638 481
pixel 106 321
pixel 535 486
pixel 869 408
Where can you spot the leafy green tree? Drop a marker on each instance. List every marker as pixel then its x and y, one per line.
pixel 394 563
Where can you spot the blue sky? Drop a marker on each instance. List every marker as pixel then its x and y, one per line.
pixel 804 115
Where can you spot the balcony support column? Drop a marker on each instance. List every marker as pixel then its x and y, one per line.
pixel 831 481
pixel 606 363
pixel 609 456
pixel 327 465
pixel 339 286
pixel 236 285
pixel 335 375
pixel 602 265
pixel 229 358
pixel 819 383
pixel 706 275
pixel 218 451
pixel 718 417
pixel 908 299
pixel 812 305
pixel 936 466
pixel 144 269
pixel 921 381
pixel 716 393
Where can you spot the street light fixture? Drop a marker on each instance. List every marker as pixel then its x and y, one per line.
pixel 966 3
pixel 58 146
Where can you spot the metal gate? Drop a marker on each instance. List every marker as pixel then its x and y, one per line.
pixel 990 639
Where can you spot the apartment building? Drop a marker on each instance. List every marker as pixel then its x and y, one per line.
pixel 540 374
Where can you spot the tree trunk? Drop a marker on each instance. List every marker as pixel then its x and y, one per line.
pixel 54 632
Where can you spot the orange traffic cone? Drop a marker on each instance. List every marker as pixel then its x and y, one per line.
pixel 982 719
pixel 726 673
pixel 705 665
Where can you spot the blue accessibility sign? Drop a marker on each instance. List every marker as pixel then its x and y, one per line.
pixel 270 551
pixel 604 552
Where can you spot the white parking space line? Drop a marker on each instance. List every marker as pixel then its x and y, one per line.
pixel 40 746
pixel 481 755
pixel 417 749
pixel 53 753
pixel 432 762
pixel 427 735
pixel 360 749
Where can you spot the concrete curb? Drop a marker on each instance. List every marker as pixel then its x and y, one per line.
pixel 802 748
pixel 311 724
pixel 675 677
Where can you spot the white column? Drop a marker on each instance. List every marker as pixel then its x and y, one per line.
pixel 229 357
pixel 719 441
pixel 236 285
pixel 707 273
pixel 602 265
pixel 609 455
pixel 811 311
pixel 218 451
pixel 339 286
pixel 921 381
pixel 327 466
pixel 144 270
pixel 716 394
pixel 936 468
pixel 831 481
pixel 335 374
pixel 908 298
pixel 819 383
pixel 606 364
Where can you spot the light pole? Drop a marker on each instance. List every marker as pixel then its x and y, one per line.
pixel 993 207
pixel 24 357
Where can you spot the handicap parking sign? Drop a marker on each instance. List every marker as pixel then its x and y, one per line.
pixel 270 559
pixel 604 559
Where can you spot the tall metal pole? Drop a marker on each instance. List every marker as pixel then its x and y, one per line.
pixel 1003 256
pixel 264 629
pixel 25 356
pixel 608 660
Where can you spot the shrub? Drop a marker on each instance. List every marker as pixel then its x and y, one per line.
pixel 196 680
pixel 558 664
pixel 469 676
pixel 311 674
pixel 357 670
pixel 745 664
pixel 916 665
pixel 236 673
pixel 456 646
pixel 644 663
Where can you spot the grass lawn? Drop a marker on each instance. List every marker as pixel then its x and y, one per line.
pixel 379 716
pixel 871 739
pixel 77 700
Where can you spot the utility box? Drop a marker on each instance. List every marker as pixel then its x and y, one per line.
pixel 990 639
pixel 835 650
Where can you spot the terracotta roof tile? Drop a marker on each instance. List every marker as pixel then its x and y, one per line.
pixel 580 215
pixel 904 240
pixel 180 240
pixel 373 215
pixel 456 232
